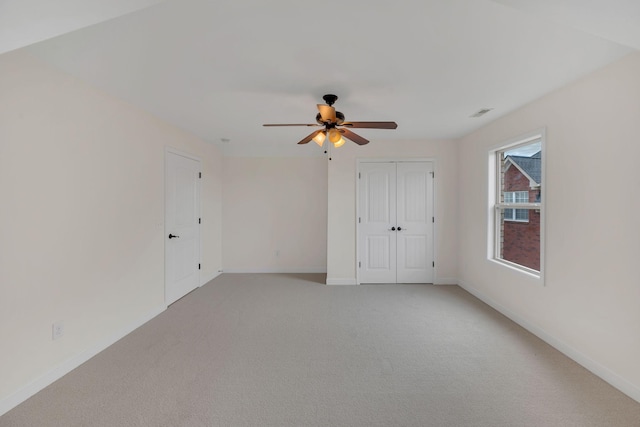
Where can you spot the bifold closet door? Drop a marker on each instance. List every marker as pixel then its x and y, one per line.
pixel 395 224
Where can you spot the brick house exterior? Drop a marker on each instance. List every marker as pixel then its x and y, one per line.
pixel 521 238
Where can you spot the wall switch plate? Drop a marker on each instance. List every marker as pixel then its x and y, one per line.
pixel 57 330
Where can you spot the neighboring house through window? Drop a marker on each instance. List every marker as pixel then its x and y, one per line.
pixel 517 202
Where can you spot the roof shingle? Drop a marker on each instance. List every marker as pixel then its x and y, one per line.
pixel 531 165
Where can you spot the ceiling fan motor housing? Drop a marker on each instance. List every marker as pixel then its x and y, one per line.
pixel 330 99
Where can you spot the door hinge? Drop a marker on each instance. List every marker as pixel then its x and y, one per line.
pixel 359 220
pixel 359 175
pixel 433 264
pixel 359 264
pixel 199 220
pixel 433 174
pixel 433 219
pixel 200 175
pixel 198 266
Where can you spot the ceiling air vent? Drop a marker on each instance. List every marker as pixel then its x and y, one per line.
pixel 481 112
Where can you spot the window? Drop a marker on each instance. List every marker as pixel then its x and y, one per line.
pixel 516 214
pixel 516 175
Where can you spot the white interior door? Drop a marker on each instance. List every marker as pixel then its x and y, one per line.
pixel 182 228
pixel 395 222
pixel 414 211
pixel 377 242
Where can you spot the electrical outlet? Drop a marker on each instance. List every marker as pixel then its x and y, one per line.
pixel 57 330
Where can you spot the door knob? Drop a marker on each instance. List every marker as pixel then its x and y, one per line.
pixel 399 228
pixel 171 236
pixel 392 229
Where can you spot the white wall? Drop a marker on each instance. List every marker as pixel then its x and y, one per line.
pixel 24 22
pixel 588 306
pixel 341 258
pixel 81 219
pixel 275 214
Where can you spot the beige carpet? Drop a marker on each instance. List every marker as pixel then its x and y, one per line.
pixel 286 350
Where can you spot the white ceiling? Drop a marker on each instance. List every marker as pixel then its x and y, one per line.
pixel 614 20
pixel 221 69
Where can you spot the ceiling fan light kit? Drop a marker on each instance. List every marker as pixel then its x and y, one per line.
pixel 339 143
pixel 335 126
pixel 334 135
pixel 319 138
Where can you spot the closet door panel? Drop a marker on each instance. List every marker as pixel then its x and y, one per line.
pixel 376 240
pixel 414 210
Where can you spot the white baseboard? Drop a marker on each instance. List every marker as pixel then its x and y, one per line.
pixel 276 270
pixel 625 386
pixel 445 281
pixel 206 279
pixel 67 366
pixel 333 281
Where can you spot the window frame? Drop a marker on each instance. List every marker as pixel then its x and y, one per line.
pixel 514 217
pixel 495 206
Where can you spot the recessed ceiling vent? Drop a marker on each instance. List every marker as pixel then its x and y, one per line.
pixel 481 112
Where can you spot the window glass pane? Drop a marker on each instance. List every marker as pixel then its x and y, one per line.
pixel 520 181
pixel 522 214
pixel 509 197
pixel 509 214
pixel 520 241
pixel 521 197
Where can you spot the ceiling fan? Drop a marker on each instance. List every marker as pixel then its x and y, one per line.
pixel 334 127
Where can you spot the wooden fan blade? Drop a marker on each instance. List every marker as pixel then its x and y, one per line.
pixel 327 113
pixel 371 125
pixel 310 137
pixel 291 124
pixel 354 137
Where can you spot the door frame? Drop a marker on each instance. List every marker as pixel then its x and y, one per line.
pixel 394 160
pixel 167 151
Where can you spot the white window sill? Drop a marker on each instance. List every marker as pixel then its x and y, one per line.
pixel 516 267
